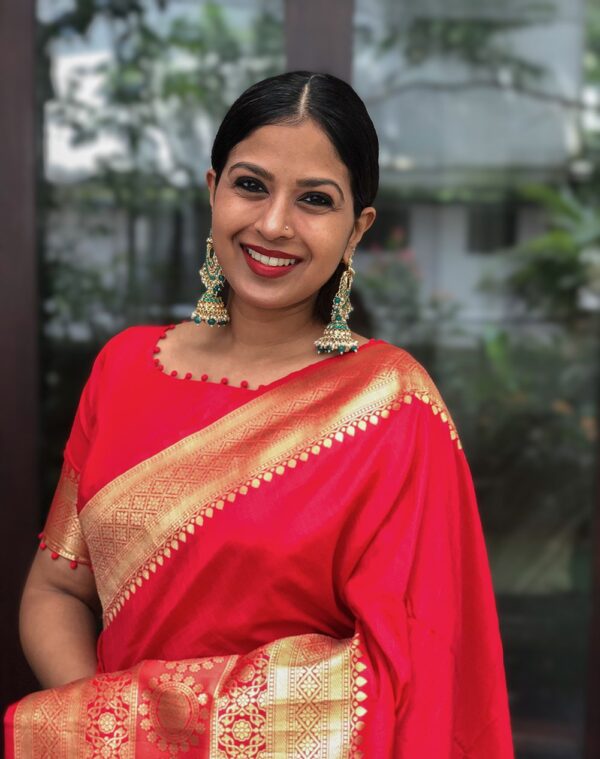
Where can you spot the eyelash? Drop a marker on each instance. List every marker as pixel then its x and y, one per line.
pixel 327 200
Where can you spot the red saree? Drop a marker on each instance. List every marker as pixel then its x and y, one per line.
pixel 294 571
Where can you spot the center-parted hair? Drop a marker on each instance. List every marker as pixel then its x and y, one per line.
pixel 331 103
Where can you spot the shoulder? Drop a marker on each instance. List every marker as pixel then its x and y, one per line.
pixel 126 347
pixel 411 382
pixel 130 338
pixel 400 366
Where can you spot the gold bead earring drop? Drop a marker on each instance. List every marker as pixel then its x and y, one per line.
pixel 337 337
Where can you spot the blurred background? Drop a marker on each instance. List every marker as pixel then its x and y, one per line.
pixel 484 261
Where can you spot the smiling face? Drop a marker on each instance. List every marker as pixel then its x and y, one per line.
pixel 284 195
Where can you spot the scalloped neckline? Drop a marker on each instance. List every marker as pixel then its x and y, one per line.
pixel 187 378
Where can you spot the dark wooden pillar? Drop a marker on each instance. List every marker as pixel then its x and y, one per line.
pixel 318 36
pixel 592 727
pixel 18 332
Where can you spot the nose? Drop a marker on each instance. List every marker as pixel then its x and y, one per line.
pixel 274 220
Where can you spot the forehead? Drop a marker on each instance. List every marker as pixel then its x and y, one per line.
pixel 303 149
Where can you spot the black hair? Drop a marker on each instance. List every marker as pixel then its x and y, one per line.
pixel 332 103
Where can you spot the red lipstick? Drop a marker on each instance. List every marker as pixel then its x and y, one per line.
pixel 272 253
pixel 264 270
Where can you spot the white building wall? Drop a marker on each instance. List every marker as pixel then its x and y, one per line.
pixel 426 128
pixel 439 239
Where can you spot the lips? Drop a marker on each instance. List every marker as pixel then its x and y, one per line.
pixel 270 253
pixel 266 270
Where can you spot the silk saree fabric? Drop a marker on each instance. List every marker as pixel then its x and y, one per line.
pixel 294 571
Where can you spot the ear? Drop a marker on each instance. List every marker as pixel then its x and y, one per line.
pixel 361 224
pixel 211 181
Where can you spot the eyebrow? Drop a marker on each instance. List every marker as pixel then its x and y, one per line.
pixel 308 182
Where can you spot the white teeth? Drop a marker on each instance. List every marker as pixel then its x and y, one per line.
pixel 268 260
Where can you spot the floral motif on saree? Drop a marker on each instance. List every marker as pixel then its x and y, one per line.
pixel 298 697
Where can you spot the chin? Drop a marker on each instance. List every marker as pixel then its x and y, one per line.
pixel 271 301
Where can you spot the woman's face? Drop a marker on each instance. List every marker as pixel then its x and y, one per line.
pixel 284 196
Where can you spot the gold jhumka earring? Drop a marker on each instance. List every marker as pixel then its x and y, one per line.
pixel 337 337
pixel 210 308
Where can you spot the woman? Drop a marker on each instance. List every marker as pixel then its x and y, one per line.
pixel 284 542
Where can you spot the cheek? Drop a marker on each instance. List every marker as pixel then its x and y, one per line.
pixel 228 212
pixel 325 230
pixel 326 238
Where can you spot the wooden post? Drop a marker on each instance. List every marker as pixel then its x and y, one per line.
pixel 19 430
pixel 318 36
pixel 592 726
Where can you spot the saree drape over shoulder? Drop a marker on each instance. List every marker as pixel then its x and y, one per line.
pixel 294 571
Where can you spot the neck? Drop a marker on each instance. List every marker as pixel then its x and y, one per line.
pixel 259 334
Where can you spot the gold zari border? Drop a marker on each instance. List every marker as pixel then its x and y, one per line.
pixel 62 531
pixel 135 523
pixel 87 719
pixel 299 696
pixel 317 707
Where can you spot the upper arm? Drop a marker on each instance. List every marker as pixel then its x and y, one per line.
pixel 57 575
pixel 64 567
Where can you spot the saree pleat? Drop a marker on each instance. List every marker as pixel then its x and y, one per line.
pixel 294 572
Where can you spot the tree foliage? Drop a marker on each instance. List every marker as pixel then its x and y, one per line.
pixel 553 272
pixel 462 34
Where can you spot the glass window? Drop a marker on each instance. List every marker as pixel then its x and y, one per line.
pixel 488 146
pixel 482 152
pixel 492 227
pixel 129 98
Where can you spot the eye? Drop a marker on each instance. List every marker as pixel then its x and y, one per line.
pixel 249 184
pixel 319 199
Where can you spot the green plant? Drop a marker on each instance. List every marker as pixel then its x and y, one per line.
pixel 550 272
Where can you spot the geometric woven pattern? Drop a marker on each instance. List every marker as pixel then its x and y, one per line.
pixel 135 523
pixel 62 532
pixel 300 696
